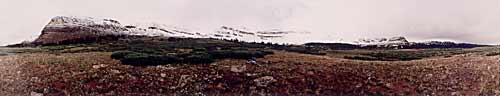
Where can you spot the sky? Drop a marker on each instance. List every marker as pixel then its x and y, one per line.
pixel 473 21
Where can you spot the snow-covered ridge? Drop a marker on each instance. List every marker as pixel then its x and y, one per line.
pixel 69 20
pixel 403 43
pixel 243 33
pixel 63 28
pixel 382 41
pixel 114 26
pixel 393 42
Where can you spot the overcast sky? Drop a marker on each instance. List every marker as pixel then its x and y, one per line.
pixel 475 21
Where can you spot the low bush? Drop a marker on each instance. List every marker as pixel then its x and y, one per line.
pixel 267 52
pixel 493 54
pixel 200 49
pixel 199 58
pixel 361 58
pixel 237 54
pixel 121 54
pixel 141 59
pixel 195 57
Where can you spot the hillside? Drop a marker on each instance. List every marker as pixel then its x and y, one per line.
pixel 64 30
pixel 91 69
pixel 73 30
pixel 392 43
pixel 88 56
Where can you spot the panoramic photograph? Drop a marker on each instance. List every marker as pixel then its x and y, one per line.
pixel 250 48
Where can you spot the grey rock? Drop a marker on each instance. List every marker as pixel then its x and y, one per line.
pixel 264 81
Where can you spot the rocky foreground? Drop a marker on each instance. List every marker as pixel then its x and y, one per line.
pixel 12 79
pixel 86 56
pixel 283 73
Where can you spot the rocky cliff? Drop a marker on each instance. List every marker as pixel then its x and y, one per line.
pixel 64 29
pixel 67 29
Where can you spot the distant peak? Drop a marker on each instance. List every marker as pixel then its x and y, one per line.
pixel 72 28
pixel 379 41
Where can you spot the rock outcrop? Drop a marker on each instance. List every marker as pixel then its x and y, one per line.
pixel 63 29
pixel 68 29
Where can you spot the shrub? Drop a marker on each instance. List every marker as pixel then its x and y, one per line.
pixel 148 49
pixel 236 54
pixel 493 54
pixel 200 49
pixel 141 59
pixel 305 50
pixel 199 58
pixel 121 54
pixel 267 52
pixel 361 58
pixel 135 59
pixel 145 59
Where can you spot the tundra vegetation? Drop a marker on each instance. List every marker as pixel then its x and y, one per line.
pixel 184 66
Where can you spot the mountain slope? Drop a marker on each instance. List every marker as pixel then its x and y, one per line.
pixel 244 34
pixel 63 29
pixel 391 43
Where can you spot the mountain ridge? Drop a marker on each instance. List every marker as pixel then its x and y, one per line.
pixel 65 28
pixel 391 43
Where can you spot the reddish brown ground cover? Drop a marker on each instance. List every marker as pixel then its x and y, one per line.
pixel 283 73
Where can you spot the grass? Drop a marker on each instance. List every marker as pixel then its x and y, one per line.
pixel 294 73
pixel 182 68
pixel 213 49
pixel 151 50
pixel 141 59
pixel 157 45
pixel 361 57
pixel 400 55
pixel 493 54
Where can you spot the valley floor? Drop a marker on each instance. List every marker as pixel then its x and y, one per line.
pixel 284 73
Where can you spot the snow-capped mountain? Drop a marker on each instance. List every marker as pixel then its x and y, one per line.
pixel 62 29
pixel 403 43
pixel 245 34
pixel 393 42
pixel 65 28
pixel 382 41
